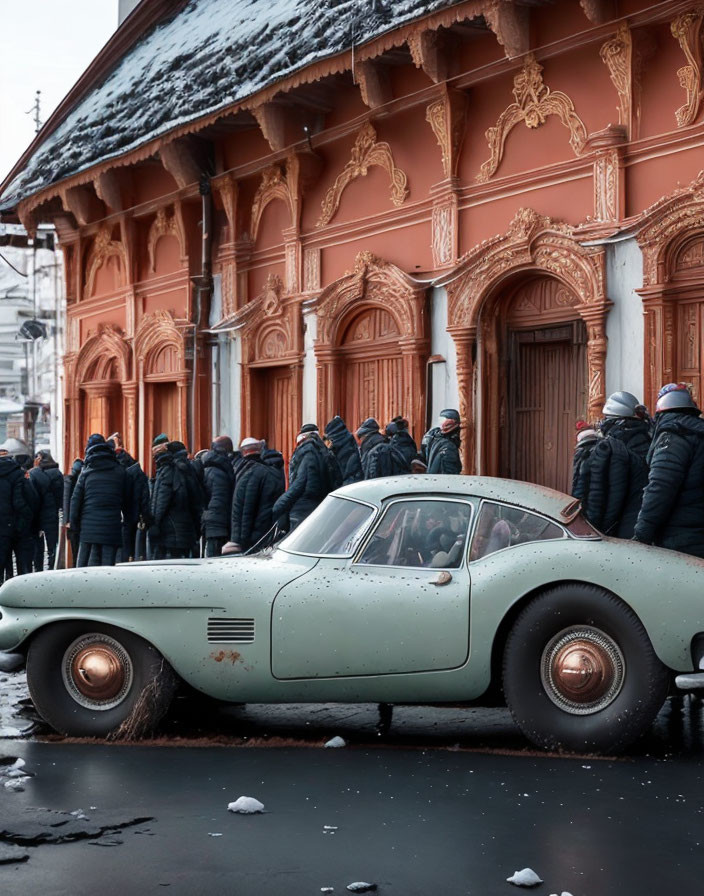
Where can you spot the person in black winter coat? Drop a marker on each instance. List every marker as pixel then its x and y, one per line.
pixel 259 486
pixel 99 502
pixel 176 509
pixel 379 457
pixel 275 459
pixel 124 458
pixel 672 512
pixel 308 479
pixel 219 482
pixel 443 451
pixel 618 471
pixel 192 475
pixel 140 514
pixel 48 483
pixel 587 438
pixel 401 439
pixel 345 449
pixel 15 513
pixel 70 480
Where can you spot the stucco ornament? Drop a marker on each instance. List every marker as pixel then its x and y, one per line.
pixel 366 152
pixel 274 185
pixel 534 102
pixel 104 247
pixel 687 29
pixel 617 54
pixel 164 225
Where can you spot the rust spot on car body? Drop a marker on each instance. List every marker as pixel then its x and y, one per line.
pixel 223 655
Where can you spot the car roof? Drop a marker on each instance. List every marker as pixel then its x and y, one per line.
pixel 528 495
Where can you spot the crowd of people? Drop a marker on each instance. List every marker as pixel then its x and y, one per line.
pixel 222 500
pixel 637 478
pixel 643 479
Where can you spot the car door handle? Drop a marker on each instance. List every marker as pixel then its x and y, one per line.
pixel 442 578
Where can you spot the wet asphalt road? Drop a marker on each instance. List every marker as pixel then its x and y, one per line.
pixel 449 801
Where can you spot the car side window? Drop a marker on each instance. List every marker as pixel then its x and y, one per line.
pixel 430 534
pixel 501 527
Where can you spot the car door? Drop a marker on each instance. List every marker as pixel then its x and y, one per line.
pixel 401 605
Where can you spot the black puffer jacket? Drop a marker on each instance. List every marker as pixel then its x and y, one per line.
pixel 15 512
pixel 380 458
pixel 672 512
pixel 444 454
pixel 618 473
pixel 173 525
pixel 344 447
pixel 275 459
pixel 219 481
pixel 403 441
pixel 138 483
pixel 49 485
pixel 258 488
pixel 70 480
pixel 308 482
pixel 427 441
pixel 195 486
pixel 124 458
pixel 100 498
pixel 581 468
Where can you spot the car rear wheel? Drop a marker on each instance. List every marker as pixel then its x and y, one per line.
pixel 580 673
pixel 93 680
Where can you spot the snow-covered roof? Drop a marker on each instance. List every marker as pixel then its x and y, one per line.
pixel 209 56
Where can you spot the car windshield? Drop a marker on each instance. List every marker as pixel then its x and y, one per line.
pixel 334 529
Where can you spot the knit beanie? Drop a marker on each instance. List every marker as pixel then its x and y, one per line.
pixel 369 426
pixel 161 439
pixel 94 439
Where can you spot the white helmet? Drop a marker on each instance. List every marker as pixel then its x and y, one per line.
pixel 621 404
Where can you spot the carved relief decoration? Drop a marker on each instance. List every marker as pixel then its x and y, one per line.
pixel 311 269
pixel 106 355
pixel 617 54
pixel 666 226
pixel 274 185
pixel 444 234
pixel 447 117
pixel 534 102
pixel 104 247
pixel 687 29
pixel 690 257
pixel 157 331
pixel 372 281
pixel 607 186
pixel 268 327
pixel 164 225
pixel 366 152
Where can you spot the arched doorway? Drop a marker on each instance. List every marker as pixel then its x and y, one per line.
pixel 544 383
pixel 370 368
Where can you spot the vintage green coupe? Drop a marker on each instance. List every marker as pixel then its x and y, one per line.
pixel 414 589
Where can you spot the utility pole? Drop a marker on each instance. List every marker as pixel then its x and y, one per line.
pixel 36 110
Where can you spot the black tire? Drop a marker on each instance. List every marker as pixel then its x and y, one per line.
pixel 580 673
pixel 92 680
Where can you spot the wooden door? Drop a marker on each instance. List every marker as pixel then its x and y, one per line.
pixel 370 370
pixel 690 336
pixel 547 394
pixel 273 414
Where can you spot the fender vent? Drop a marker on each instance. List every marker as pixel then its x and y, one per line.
pixel 228 631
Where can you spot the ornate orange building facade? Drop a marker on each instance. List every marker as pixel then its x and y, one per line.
pixel 487 204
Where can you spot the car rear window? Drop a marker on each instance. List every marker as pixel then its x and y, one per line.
pixel 334 529
pixel 500 526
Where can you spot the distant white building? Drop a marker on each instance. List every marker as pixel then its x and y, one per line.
pixel 32 312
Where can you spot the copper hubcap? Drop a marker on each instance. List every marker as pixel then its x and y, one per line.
pixel 98 672
pixel 582 670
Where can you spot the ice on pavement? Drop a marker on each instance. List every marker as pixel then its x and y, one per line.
pixel 361 886
pixel 336 742
pixel 564 893
pixel 525 878
pixel 245 805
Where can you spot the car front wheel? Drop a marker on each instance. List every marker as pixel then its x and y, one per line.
pixel 94 680
pixel 580 673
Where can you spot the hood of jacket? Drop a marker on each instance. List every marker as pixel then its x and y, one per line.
pixel 218 460
pixel 8 467
pixel 681 424
pixel 337 431
pixel 634 433
pixel 273 458
pixel 100 457
pixel 371 441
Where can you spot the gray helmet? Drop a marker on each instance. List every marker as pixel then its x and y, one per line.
pixel 675 397
pixel 621 404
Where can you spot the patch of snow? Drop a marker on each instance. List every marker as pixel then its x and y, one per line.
pixel 246 805
pixel 16 785
pixel 564 893
pixel 361 886
pixel 336 742
pixel 214 834
pixel 525 878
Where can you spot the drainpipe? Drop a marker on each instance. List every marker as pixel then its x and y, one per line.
pixel 204 284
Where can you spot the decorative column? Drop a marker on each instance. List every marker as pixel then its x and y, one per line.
pixel 129 405
pixel 182 383
pixel 595 320
pixel 327 386
pixel 465 340
pixel 413 356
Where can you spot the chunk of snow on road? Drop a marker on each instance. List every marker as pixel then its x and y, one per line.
pixel 525 878
pixel 361 886
pixel 16 785
pixel 329 827
pixel 245 805
pixel 336 742
pixel 564 893
pixel 214 834
pixel 18 763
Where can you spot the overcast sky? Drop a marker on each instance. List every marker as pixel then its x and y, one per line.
pixel 44 45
